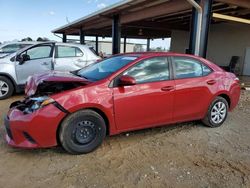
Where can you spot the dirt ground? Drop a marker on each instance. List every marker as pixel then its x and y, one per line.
pixel 183 155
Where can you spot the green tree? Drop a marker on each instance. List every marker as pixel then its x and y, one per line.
pixel 27 39
pixel 42 39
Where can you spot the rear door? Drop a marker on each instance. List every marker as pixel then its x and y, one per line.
pixel 192 88
pixel 40 61
pixel 150 101
pixel 69 58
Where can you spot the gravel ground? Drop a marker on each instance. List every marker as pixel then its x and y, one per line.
pixel 183 155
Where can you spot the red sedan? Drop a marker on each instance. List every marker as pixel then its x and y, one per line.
pixel 123 93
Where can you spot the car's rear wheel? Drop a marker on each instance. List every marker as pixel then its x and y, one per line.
pixel 82 132
pixel 217 113
pixel 6 88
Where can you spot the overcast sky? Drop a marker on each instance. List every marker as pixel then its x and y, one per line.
pixel 36 18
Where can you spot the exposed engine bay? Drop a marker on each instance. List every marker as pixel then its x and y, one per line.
pixel 39 89
pixel 41 97
pixel 48 88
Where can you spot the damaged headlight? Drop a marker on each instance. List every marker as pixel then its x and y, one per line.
pixel 37 103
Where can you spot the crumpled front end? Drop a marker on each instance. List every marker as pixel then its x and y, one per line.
pixel 33 128
pixel 52 82
pixel 33 122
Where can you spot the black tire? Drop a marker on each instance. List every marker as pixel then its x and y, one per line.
pixel 208 120
pixel 82 132
pixel 7 84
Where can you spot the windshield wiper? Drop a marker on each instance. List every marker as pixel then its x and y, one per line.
pixel 76 74
pixel 83 77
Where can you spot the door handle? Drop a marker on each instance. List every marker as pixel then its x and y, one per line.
pixel 211 82
pixel 45 63
pixel 167 88
pixel 80 60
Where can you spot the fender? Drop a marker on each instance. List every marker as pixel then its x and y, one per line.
pixel 104 111
pixel 83 98
pixel 226 93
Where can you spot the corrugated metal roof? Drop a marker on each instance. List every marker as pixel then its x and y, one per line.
pixel 102 11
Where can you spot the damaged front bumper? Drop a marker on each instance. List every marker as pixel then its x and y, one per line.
pixel 37 129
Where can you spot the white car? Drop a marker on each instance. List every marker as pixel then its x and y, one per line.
pixel 40 58
pixel 12 47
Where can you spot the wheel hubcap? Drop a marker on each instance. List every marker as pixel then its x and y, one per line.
pixel 218 112
pixel 84 132
pixel 4 88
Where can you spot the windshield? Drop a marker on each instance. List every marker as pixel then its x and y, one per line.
pixel 3 55
pixel 106 67
pixel 6 50
pixel 10 48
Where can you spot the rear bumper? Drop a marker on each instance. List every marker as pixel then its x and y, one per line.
pixel 234 96
pixel 36 130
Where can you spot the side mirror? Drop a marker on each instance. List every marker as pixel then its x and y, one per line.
pixel 22 58
pixel 126 81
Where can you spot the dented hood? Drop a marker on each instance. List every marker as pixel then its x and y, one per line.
pixel 55 77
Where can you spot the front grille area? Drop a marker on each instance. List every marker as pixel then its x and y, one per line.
pixel 7 127
pixel 29 138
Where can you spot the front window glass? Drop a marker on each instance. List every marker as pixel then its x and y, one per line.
pixel 150 70
pixel 187 67
pixel 39 52
pixel 68 51
pixel 106 67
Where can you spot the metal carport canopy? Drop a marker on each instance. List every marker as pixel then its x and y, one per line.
pixel 138 14
pixel 156 18
pixel 148 19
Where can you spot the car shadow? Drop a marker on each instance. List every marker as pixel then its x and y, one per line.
pixel 169 129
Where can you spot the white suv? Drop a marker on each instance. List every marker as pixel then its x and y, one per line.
pixel 43 57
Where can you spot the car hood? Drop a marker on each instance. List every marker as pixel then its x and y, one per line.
pixel 53 82
pixel 4 55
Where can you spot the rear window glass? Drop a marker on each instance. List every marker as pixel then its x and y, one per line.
pixel 68 51
pixel 187 67
pixel 206 70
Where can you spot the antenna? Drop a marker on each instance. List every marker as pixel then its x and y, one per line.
pixel 67 19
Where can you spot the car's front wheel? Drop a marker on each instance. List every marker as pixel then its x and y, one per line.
pixel 6 88
pixel 82 132
pixel 217 113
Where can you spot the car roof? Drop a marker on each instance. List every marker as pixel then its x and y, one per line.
pixel 156 54
pixel 21 42
pixel 41 42
pixel 83 47
pixel 73 44
pixel 152 54
pixel 56 43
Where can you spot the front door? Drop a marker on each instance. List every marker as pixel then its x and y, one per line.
pixel 39 61
pixel 150 101
pixel 246 70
